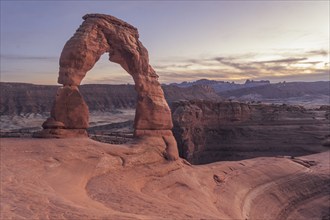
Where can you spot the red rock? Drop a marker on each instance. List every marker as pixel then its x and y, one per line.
pixel 101 34
pixel 60 133
pixel 70 108
pixel 198 125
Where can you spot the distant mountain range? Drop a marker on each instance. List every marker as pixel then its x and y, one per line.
pixel 281 90
pixel 308 94
pixel 222 86
pixel 21 98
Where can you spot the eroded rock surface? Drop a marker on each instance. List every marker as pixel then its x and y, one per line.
pixel 209 131
pixel 70 108
pixel 83 179
pixel 101 34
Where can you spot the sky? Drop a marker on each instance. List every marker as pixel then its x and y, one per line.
pixel 186 40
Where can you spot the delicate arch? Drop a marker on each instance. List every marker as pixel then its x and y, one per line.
pixel 101 34
pixel 97 35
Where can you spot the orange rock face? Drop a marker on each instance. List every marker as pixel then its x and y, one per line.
pixel 97 35
pixel 101 34
pixel 70 108
pixel 201 128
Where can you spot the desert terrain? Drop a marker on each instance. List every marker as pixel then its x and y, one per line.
pixel 203 149
pixel 248 160
pixel 85 179
pixel 250 168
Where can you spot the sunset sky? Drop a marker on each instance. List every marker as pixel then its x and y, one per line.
pixel 186 40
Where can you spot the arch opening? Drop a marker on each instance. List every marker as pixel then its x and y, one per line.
pixel 111 98
pixel 106 72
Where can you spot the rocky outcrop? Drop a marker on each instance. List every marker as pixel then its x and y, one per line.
pixel 101 34
pixel 70 108
pixel 69 115
pixel 196 124
pixel 209 131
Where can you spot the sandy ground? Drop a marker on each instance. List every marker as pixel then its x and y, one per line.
pixel 84 179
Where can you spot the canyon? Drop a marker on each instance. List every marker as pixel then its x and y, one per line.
pixel 196 150
pixel 244 158
pixel 209 131
pixel 207 127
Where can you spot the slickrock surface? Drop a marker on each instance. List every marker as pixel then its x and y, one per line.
pixel 209 131
pixel 79 178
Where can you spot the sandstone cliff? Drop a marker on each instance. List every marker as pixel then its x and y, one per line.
pixel 211 131
pixel 23 98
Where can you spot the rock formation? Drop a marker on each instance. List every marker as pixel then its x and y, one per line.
pixel 196 124
pixel 97 35
pixel 209 131
pixel 85 179
pixel 70 108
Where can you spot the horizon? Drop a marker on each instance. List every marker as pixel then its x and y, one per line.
pixel 182 82
pixel 221 40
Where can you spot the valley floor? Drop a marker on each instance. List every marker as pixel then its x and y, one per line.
pixel 85 179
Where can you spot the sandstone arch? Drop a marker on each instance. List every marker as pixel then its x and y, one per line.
pixel 100 34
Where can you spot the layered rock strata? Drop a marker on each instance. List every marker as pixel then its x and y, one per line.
pixel 101 34
pixel 209 131
pixel 22 98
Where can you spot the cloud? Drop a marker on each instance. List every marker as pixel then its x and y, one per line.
pixel 318 52
pixel 239 67
pixel 285 61
pixel 248 67
pixel 311 62
pixel 196 74
pixel 275 68
pixel 172 66
pixel 245 66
